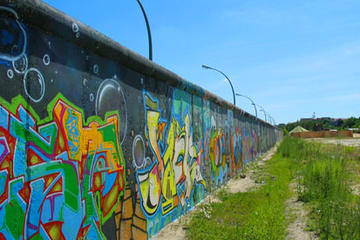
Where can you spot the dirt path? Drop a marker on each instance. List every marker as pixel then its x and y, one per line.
pixel 177 229
pixel 249 181
pixel 296 214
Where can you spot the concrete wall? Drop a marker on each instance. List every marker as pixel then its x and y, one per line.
pixel 96 142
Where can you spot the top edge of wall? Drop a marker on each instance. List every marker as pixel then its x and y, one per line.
pixel 36 12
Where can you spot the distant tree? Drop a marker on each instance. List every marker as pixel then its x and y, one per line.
pixel 308 124
pixel 285 131
pixel 324 124
pixel 351 123
pixel 339 122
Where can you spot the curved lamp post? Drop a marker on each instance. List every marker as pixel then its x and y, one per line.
pixel 252 102
pixel 148 29
pixel 262 110
pixel 273 121
pixel 258 123
pixel 232 88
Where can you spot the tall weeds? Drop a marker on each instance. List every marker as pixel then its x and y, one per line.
pixel 324 174
pixel 324 183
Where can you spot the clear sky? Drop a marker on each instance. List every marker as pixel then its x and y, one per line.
pixel 292 57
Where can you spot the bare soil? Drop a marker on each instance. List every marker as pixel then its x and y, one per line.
pixel 296 214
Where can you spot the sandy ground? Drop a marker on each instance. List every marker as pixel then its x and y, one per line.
pixel 297 215
pixel 176 230
pixel 345 141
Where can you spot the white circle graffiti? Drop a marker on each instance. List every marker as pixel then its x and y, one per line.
pixel 20 65
pixel 34 77
pixel 46 59
pixel 75 28
pixel 138 152
pixel 10 73
pixel 14 58
pixel 110 97
pixel 92 97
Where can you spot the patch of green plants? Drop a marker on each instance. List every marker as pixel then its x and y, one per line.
pixel 324 183
pixel 258 214
pixel 325 175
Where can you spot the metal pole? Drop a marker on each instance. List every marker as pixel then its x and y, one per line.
pixel 262 109
pixel 232 88
pixel 252 102
pixel 148 29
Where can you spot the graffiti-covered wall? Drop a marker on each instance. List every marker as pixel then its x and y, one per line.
pixel 96 142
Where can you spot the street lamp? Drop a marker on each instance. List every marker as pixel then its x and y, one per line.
pixel 258 123
pixel 148 29
pixel 262 110
pixel 252 102
pixel 232 88
pixel 273 121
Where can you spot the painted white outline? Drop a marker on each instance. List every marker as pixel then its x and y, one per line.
pixel 136 139
pixel 42 84
pixel 91 97
pixel 22 29
pixel 123 96
pixel 26 64
pixel 46 59
pixel 10 73
pixel 75 28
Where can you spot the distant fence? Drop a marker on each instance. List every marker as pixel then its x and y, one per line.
pixel 323 134
pixel 97 142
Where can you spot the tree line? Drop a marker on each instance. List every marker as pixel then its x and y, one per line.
pixel 322 124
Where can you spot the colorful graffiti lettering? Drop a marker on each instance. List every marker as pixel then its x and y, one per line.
pixel 168 180
pixel 59 178
pixel 218 159
pixel 236 152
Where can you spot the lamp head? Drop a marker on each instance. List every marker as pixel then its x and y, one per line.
pixel 205 66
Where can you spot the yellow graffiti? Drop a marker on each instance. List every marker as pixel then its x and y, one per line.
pixel 176 164
pixel 150 189
pixel 83 140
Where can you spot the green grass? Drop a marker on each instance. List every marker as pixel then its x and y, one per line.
pixel 325 185
pixel 324 174
pixel 257 214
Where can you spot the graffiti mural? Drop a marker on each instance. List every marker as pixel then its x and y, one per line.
pixel 167 179
pixel 217 156
pixel 60 178
pixel 96 145
pixel 236 152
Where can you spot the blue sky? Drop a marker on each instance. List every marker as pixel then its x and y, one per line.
pixel 291 57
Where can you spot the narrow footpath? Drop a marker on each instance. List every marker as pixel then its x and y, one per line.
pixel 296 215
